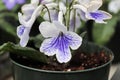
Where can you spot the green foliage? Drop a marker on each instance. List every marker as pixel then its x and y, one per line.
pixel 103 32
pixel 23 51
pixel 7 27
pixel 37 40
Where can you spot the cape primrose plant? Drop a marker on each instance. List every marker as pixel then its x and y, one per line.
pixel 61 19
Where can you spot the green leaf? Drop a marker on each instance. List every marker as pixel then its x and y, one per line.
pixel 7 27
pixel 37 40
pixel 23 51
pixel 83 34
pixel 103 32
pixel 2 6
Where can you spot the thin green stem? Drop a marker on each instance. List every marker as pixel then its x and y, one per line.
pixel 74 20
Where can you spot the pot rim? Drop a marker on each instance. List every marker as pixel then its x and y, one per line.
pixel 50 71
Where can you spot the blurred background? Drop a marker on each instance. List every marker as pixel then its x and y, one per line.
pixel 102 34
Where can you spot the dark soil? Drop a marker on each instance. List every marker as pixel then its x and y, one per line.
pixel 79 61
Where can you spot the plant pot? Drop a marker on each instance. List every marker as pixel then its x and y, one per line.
pixel 5 66
pixel 22 72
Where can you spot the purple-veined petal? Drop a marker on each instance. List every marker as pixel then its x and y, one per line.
pixel 10 4
pixel 60 45
pixel 64 56
pixel 57 45
pixel 48 47
pixel 75 40
pixel 99 16
pixel 23 34
pixel 20 1
pixel 48 29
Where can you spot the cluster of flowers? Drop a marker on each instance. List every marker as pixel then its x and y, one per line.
pixel 61 19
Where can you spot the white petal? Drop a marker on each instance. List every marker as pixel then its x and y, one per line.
pixel 62 7
pixel 35 2
pixel 60 17
pixel 28 9
pixel 51 5
pixel 83 8
pixel 48 29
pixel 46 1
pixel 25 37
pixel 60 26
pixel 94 5
pixel 76 40
pixel 22 20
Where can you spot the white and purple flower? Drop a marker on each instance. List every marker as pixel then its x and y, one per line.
pixel 58 41
pixel 11 3
pixel 90 10
pixel 26 24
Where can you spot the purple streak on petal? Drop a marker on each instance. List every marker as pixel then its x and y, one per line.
pixel 99 15
pixel 23 34
pixel 20 30
pixel 75 41
pixel 20 1
pixel 58 45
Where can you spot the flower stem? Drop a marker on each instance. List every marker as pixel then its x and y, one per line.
pixel 48 13
pixel 74 20
pixel 67 14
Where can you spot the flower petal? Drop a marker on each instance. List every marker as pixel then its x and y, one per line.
pixel 35 2
pixel 75 40
pixel 48 47
pixel 99 16
pixel 63 56
pixel 20 30
pixel 58 45
pixel 23 34
pixel 48 29
pixel 45 1
pixel 90 5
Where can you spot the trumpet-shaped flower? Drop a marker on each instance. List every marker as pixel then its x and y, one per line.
pixel 59 41
pixel 26 23
pixel 11 3
pixel 90 9
pixel 114 6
